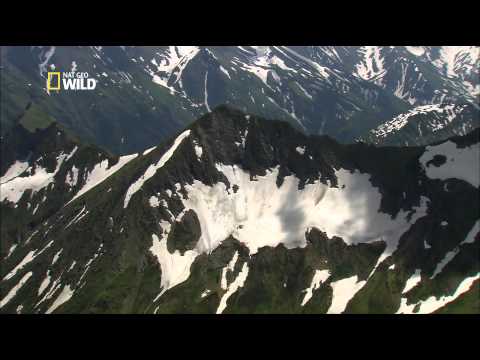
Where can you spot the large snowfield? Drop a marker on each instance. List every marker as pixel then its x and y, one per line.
pixel 259 213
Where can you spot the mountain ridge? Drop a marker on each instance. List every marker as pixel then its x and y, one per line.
pixel 207 229
pixel 147 94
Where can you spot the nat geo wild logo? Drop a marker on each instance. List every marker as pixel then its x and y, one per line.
pixel 71 80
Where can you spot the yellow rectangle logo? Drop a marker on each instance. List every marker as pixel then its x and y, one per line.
pixel 50 76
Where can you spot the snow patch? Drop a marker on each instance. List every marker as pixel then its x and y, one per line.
pixel 13 189
pixel 433 303
pixel 412 281
pixel 101 172
pixel 300 150
pixel 14 170
pixel 372 64
pixel 415 50
pixel 13 291
pixel 319 277
pixel 62 298
pixel 343 291
pixel 44 284
pixel 233 287
pixel 462 163
pixel 175 267
pixel 153 201
pixel 257 214
pixel 148 151
pixel 32 254
pixel 152 169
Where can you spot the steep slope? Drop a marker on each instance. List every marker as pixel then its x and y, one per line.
pixel 147 94
pixel 241 215
pixel 42 169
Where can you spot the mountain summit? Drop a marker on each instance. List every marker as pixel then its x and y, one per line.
pixel 237 214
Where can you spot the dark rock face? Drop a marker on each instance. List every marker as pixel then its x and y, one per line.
pixel 185 233
pixel 102 256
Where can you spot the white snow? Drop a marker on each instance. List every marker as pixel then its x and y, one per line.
pixel 470 238
pixel 36 208
pixel 152 169
pixel 400 88
pixel 230 267
pixel 225 71
pixel 13 291
pixel 391 267
pixel 260 208
pixel 448 257
pixel 175 267
pixel 100 172
pixel 450 57
pixel 322 70
pixel 343 291
pixel 87 265
pixel 319 277
pixel 149 150
pixel 77 217
pixel 72 266
pixel 57 256
pixel 31 236
pixel 416 50
pixel 444 114
pixel 258 70
pixel 372 64
pixel 11 250
pixel 55 286
pixel 13 189
pixel 261 214
pixel 472 233
pixel 233 287
pixel 14 170
pixel 62 298
pixel 27 259
pixel 462 163
pixel 412 281
pixel 300 149
pixel 153 201
pixel 304 91
pixel 206 93
pixel 205 293
pixel 44 284
pixel 198 151
pixel 433 303
pixel 171 65
pixel 72 177
pixel 275 60
pixel 47 56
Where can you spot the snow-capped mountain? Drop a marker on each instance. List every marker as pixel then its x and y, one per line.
pixel 425 124
pixel 146 94
pixel 237 214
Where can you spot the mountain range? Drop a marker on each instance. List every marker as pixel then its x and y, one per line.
pixel 235 213
pixel 390 95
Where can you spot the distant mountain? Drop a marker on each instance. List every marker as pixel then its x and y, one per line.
pixel 147 94
pixel 236 214
pixel 425 124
